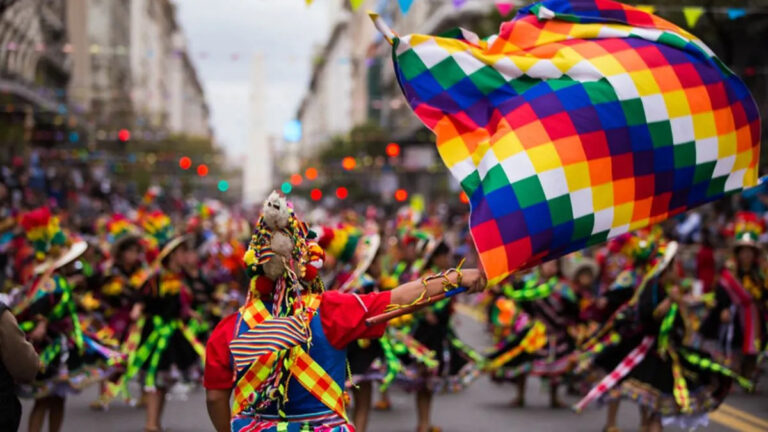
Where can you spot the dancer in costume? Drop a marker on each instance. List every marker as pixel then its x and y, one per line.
pixel 673 383
pixel 552 307
pixel 167 349
pixel 432 327
pixel 69 360
pixel 294 383
pixel 736 325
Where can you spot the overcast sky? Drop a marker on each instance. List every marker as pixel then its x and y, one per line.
pixel 282 31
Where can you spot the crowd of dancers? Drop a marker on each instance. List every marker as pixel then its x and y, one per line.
pixel 136 299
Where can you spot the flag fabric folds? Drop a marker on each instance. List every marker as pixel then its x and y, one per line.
pixel 581 120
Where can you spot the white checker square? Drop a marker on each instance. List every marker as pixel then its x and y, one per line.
pixel 584 71
pixel 611 32
pixel 706 150
pixel 735 180
pixel 623 86
pixel 486 163
pixel 404 45
pixel 617 231
pixel 517 167
pixel 463 168
pixel 544 69
pixel 431 53
pixel 724 166
pixel 508 69
pixel 603 220
pixel 581 202
pixel 682 130
pixel 655 108
pixel 468 62
pixel 647 33
pixel 554 183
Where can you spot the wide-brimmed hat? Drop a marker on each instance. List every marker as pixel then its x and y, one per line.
pixel 52 246
pixel 120 231
pixel 576 262
pixel 160 237
pixel 747 229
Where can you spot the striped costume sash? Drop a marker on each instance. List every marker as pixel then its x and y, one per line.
pixel 273 335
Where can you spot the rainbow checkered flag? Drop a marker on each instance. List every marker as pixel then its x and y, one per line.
pixel 581 120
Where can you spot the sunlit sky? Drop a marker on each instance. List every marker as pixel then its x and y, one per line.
pixel 223 37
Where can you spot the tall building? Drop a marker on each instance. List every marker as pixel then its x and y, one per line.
pixel 258 168
pixel 188 112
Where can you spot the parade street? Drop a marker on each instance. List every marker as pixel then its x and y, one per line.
pixel 483 406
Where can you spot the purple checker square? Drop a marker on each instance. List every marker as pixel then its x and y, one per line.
pixel 511 104
pixel 619 140
pixel 512 227
pixel 547 105
pixel 664 182
pixel 481 211
pixel 643 162
pixel 480 112
pixel 444 102
pixel 540 242
pixel 585 120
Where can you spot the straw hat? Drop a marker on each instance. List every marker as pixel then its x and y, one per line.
pixel 52 246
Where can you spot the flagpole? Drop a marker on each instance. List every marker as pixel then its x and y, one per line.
pixel 386 316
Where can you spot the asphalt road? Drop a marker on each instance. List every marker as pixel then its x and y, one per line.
pixel 482 407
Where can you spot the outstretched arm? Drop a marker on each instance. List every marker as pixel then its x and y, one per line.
pixel 473 279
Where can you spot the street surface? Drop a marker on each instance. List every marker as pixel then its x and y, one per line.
pixel 484 406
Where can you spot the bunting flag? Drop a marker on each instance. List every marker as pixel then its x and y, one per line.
pixel 692 15
pixel 578 122
pixel 504 7
pixel 458 3
pixel 356 3
pixel 405 5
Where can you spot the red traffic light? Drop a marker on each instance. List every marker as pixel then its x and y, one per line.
pixel 202 170
pixel 316 194
pixel 401 195
pixel 393 149
pixel 185 163
pixel 124 135
pixel 341 192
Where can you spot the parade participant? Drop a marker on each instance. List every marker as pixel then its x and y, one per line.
pixel 48 314
pixel 553 308
pixel 289 384
pixel 18 364
pixel 737 322
pixel 672 382
pixel 432 327
pixel 167 350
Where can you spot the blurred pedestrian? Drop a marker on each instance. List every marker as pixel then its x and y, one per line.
pixel 19 363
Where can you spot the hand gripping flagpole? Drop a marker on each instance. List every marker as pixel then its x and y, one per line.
pixel 386 316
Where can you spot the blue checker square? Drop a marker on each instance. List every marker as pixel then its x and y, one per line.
pixel 698 193
pixel 684 177
pixel 640 136
pixel 562 234
pixel 619 141
pixel 537 217
pixel 502 201
pixel 585 119
pixel 426 86
pixel 465 92
pixel 444 102
pixel 540 242
pixel 481 210
pixel 573 97
pixel 664 159
pixel 643 162
pixel 611 115
pixel 538 90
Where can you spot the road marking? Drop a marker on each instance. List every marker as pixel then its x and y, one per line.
pixel 472 312
pixel 732 422
pixel 735 412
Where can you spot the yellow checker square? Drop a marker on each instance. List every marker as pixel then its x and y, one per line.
pixel 638 224
pixel 480 151
pixel 508 145
pixel 622 214
pixel 645 82
pixel 704 125
pixel 607 65
pixel 726 145
pixel 544 157
pixel 586 31
pixel 577 176
pixel 602 196
pixel 524 63
pixel 677 103
pixel 743 159
pixel 453 151
pixel 547 37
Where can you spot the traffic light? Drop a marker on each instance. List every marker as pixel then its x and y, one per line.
pixel 202 170
pixel 393 149
pixel 185 163
pixel 124 135
pixel 342 193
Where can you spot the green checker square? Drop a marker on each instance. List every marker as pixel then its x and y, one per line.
pixel 523 83
pixel 411 64
pixel 672 39
pixel 685 155
pixel 528 191
pixel 471 183
pixel 598 238
pixel 600 91
pixel 494 179
pixel 487 79
pixel 582 227
pixel 447 72
pixel 661 133
pixel 560 209
pixel 633 111
pixel 703 172
pixel 716 186
pixel 561 83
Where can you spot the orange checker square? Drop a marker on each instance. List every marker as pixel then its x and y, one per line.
pixel 494 261
pixel 666 78
pixel 589 49
pixel 546 51
pixel 570 150
pixel 698 99
pixel 533 134
pixel 623 191
pixel 744 138
pixel 523 33
pixel 630 60
pixel 445 129
pixel 600 171
pixel 474 138
pixel 642 209
pixel 723 120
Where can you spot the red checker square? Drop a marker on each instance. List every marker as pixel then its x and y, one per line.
pixel 600 171
pixel 324 385
pixel 559 126
pixel 463 123
pixel 623 191
pixel 644 186
pixel 521 116
pixel 614 45
pixel 428 114
pixel 518 253
pixel 623 166
pixel 487 236
pixel 687 74
pixel 661 204
pixel 652 57
pixel 739 116
pixel 595 145
pixel 642 209
pixel 717 96
pixel 665 77
pixel 637 17
pixel 698 99
pixel 754 128
pixel 569 149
